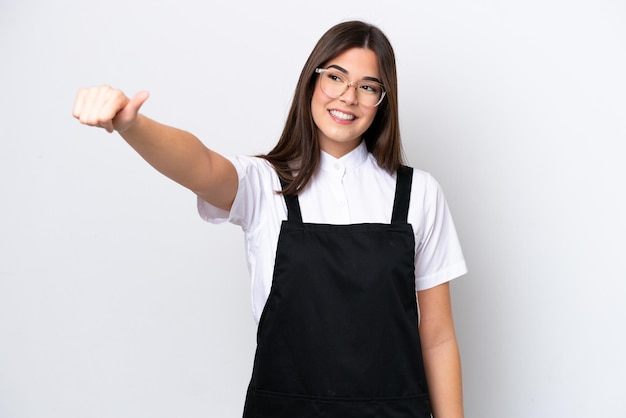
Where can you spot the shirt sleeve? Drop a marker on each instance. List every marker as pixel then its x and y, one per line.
pixel 256 179
pixel 438 254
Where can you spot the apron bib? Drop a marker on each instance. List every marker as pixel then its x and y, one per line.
pixel 338 336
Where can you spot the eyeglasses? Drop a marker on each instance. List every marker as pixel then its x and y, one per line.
pixel 334 84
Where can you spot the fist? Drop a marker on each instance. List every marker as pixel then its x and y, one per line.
pixel 107 108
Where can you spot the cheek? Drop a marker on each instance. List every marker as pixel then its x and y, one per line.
pixel 318 98
pixel 369 116
pixel 318 106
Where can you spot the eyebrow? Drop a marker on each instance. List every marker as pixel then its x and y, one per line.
pixel 343 70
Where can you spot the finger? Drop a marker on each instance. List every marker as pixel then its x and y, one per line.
pixel 104 104
pixel 84 103
pixel 128 114
pixel 78 102
pixel 90 105
pixel 138 100
pixel 107 125
pixel 132 107
pixel 101 111
pixel 106 107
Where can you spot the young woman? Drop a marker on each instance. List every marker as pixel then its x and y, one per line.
pixel 343 241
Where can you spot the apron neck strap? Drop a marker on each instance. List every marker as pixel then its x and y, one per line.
pixel 403 195
pixel 400 204
pixel 293 204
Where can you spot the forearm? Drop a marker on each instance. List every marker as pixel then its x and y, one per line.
pixel 443 373
pixel 183 158
pixel 440 351
pixel 175 153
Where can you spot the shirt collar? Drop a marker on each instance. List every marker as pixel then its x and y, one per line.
pixel 348 162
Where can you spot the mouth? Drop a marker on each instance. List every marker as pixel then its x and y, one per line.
pixel 341 115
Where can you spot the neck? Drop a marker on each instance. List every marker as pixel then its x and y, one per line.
pixel 338 150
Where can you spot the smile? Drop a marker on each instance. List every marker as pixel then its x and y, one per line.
pixel 340 115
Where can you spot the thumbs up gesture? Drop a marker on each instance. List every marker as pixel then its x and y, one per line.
pixel 107 107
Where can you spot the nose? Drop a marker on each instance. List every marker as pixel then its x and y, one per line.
pixel 349 96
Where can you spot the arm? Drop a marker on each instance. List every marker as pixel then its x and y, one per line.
pixel 175 153
pixel 441 353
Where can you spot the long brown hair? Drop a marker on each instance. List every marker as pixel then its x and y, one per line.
pixel 298 143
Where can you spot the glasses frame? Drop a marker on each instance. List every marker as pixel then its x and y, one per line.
pixel 355 84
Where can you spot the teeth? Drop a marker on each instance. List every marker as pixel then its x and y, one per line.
pixel 341 115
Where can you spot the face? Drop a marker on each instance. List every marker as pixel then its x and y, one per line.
pixel 342 121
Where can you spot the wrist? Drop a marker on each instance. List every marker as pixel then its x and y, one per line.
pixel 132 127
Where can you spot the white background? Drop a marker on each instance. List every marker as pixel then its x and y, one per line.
pixel 116 300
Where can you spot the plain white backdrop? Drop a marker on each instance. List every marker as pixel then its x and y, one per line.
pixel 116 300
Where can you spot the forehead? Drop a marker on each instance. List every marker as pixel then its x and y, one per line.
pixel 357 62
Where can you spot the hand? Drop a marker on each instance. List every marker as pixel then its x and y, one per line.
pixel 107 108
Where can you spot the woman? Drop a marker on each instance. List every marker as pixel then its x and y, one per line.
pixel 340 257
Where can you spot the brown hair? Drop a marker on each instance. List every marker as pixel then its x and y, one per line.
pixel 298 142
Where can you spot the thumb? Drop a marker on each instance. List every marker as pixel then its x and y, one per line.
pixel 127 116
pixel 137 101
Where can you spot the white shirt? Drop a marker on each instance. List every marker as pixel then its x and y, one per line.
pixel 348 190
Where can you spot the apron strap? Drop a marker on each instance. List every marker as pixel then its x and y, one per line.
pixel 293 205
pixel 403 195
pixel 400 204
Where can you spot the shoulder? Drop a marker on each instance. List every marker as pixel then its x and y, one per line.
pixel 249 163
pixel 256 197
pixel 256 175
pixel 255 172
pixel 256 193
pixel 424 186
pixel 428 204
pixel 421 178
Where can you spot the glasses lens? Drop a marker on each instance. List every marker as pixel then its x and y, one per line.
pixel 369 93
pixel 335 84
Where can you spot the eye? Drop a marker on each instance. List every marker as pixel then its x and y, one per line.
pixel 336 77
pixel 370 88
